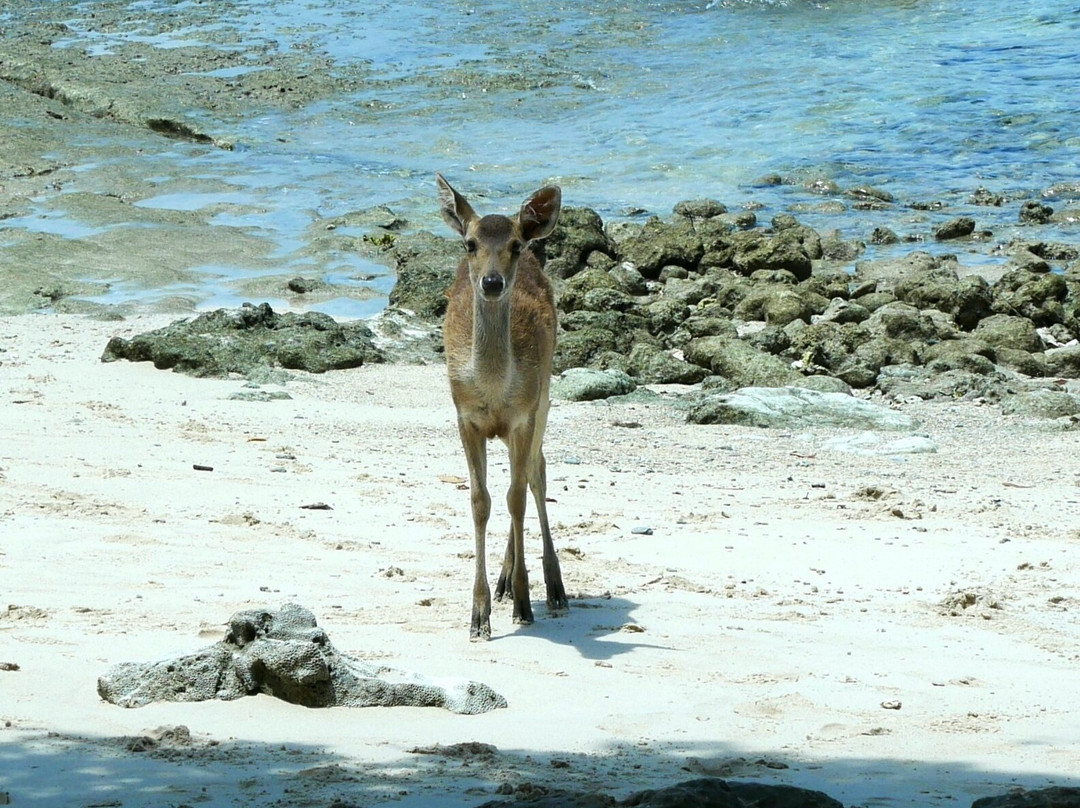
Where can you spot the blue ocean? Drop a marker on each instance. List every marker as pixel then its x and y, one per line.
pixel 633 106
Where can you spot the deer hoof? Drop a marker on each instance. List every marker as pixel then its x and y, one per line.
pixel 523 614
pixel 558 607
pixel 480 628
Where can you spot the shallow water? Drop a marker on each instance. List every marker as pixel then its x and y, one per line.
pixel 635 106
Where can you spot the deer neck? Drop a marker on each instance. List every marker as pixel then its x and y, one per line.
pixel 492 360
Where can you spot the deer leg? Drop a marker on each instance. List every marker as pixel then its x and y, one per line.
pixel 505 587
pixel 556 593
pixel 476 456
pixel 515 501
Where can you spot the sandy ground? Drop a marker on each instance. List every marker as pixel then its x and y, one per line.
pixel 789 598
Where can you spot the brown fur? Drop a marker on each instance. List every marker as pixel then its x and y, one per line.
pixel 499 346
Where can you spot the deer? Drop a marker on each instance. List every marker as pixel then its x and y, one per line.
pixel 499 342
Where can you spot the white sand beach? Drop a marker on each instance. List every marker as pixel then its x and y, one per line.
pixel 894 630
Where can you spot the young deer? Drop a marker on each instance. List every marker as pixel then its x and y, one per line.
pixel 499 336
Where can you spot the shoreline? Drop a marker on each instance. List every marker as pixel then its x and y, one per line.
pixel 783 597
pixel 886 616
pixel 110 138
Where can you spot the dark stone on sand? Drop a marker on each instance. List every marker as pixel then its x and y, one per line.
pixel 703 793
pixel 1053 797
pixel 243 340
pixel 286 655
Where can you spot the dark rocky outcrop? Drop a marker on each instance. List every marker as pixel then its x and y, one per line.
pixel 710 792
pixel 425 265
pixel 959 227
pixel 579 234
pixel 661 244
pixel 1037 295
pixel 1054 797
pixel 739 362
pixel 755 250
pixel 244 340
pixel 698 298
pixel 703 793
pixel 712 296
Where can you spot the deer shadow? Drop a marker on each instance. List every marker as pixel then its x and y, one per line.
pixel 599 627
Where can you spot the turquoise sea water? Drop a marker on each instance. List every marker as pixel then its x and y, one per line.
pixel 633 106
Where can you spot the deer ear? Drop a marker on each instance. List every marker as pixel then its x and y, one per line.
pixel 540 212
pixel 455 209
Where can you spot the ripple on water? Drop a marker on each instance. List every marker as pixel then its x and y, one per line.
pixel 635 106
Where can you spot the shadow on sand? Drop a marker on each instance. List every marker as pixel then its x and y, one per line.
pixel 599 627
pixel 46 769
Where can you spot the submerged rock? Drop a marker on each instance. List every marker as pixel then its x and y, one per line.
pixel 1035 212
pixel 286 655
pixel 249 338
pixel 959 227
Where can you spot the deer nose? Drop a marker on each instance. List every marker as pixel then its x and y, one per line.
pixel 492 285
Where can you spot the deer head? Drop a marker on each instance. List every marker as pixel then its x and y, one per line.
pixel 494 243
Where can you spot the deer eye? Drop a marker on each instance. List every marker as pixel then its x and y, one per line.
pixel 515 248
pixel 470 245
